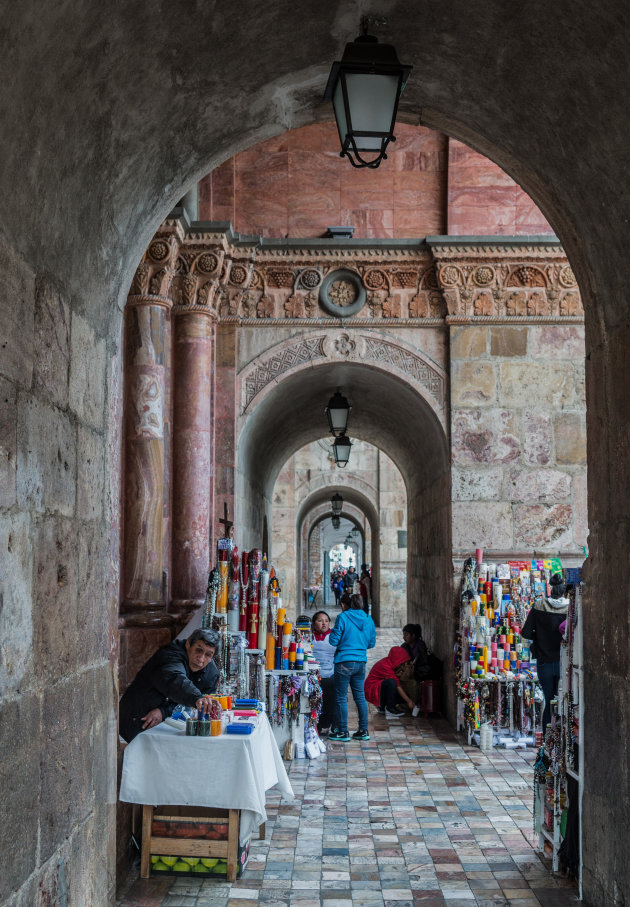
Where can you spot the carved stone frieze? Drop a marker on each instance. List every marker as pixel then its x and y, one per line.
pixel 403 284
pixel 276 364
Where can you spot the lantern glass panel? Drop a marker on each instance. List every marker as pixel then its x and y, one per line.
pixel 372 105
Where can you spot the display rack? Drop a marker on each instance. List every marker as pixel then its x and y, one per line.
pixel 559 769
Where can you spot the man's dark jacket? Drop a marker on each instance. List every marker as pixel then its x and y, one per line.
pixel 166 680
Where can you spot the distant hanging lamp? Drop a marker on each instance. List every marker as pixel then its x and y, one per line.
pixel 336 502
pixel 336 522
pixel 341 450
pixel 338 410
pixel 365 89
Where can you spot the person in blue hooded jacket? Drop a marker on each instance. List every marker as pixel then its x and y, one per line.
pixel 353 634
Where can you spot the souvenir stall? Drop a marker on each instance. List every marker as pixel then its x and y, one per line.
pixel 558 772
pixel 499 701
pixel 265 657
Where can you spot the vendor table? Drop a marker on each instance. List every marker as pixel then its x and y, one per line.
pixel 162 766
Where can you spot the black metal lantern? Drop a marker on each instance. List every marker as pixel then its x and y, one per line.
pixel 341 449
pixel 338 410
pixel 336 502
pixel 335 521
pixel 365 89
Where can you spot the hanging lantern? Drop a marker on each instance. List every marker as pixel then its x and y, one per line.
pixel 365 89
pixel 336 502
pixel 338 410
pixel 341 450
pixel 335 521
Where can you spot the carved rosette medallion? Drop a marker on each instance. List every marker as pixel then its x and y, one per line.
pixel 310 278
pixel 450 276
pixel 159 250
pixel 566 277
pixel 483 276
pixel 342 293
pixel 345 345
pixel 208 263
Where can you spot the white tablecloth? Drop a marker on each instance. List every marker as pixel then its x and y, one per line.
pixel 163 767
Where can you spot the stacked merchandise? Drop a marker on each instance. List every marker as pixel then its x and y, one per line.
pixel 497 681
pixel 558 768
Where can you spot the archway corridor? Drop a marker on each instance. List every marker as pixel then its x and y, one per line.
pixel 412 817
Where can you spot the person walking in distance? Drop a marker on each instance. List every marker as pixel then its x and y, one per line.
pixel 353 634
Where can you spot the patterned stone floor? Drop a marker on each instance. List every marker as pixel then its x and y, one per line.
pixel 414 817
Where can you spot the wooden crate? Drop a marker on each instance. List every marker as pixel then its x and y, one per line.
pixel 191 831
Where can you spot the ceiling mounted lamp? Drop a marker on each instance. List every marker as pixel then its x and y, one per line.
pixel 341 450
pixel 338 410
pixel 365 89
pixel 336 502
pixel 335 521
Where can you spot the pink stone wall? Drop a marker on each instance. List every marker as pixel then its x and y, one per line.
pixel 482 199
pixel 296 185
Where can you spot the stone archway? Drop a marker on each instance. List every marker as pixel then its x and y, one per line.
pixel 71 244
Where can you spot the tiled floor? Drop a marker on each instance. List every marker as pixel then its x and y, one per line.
pixel 414 817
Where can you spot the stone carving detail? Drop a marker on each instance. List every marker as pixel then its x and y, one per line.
pixel 160 284
pixel 450 276
pixel 264 307
pixel 375 279
pixel 405 279
pixel 206 293
pixel 417 368
pixel 483 276
pixel 536 304
pixel 306 350
pixel 391 306
pixel 281 278
pixel 566 277
pixel 310 304
pixel 570 305
pixel 189 289
pixel 248 306
pixel 140 283
pixel 207 263
pixel 238 275
pixel 257 282
pixel 344 345
pixel 159 250
pixel 375 303
pixel 294 306
pixel 526 276
pixel 517 304
pixel 342 293
pixel 483 305
pixel 310 278
pixel 419 306
pixel 429 280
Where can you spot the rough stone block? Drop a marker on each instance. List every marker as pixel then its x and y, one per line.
pixel 484 436
pixel 46 473
pixel 16 620
pixel 20 743
pixel 8 443
pixel 482 525
pixel 570 434
pixel 473 383
pixel 55 593
pixel 544 485
pixel 90 474
pixel 51 368
pixel 557 341
pixel 93 643
pixel 508 341
pixel 543 383
pixel 477 484
pixel 469 342
pixel 543 527
pixel 87 373
pixel 537 438
pixel 70 709
pixel 17 291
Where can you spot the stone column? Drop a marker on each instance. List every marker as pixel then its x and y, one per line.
pixel 147 342
pixel 193 367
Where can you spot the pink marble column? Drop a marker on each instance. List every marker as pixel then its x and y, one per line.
pixel 147 349
pixel 193 368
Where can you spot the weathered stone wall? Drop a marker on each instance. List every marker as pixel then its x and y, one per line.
pixel 57 642
pixel 518 438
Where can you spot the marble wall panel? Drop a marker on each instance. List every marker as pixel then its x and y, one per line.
pixel 482 524
pixel 550 384
pixel 473 383
pixel 16 613
pixel 540 527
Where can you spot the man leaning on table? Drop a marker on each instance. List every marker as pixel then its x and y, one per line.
pixel 180 673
